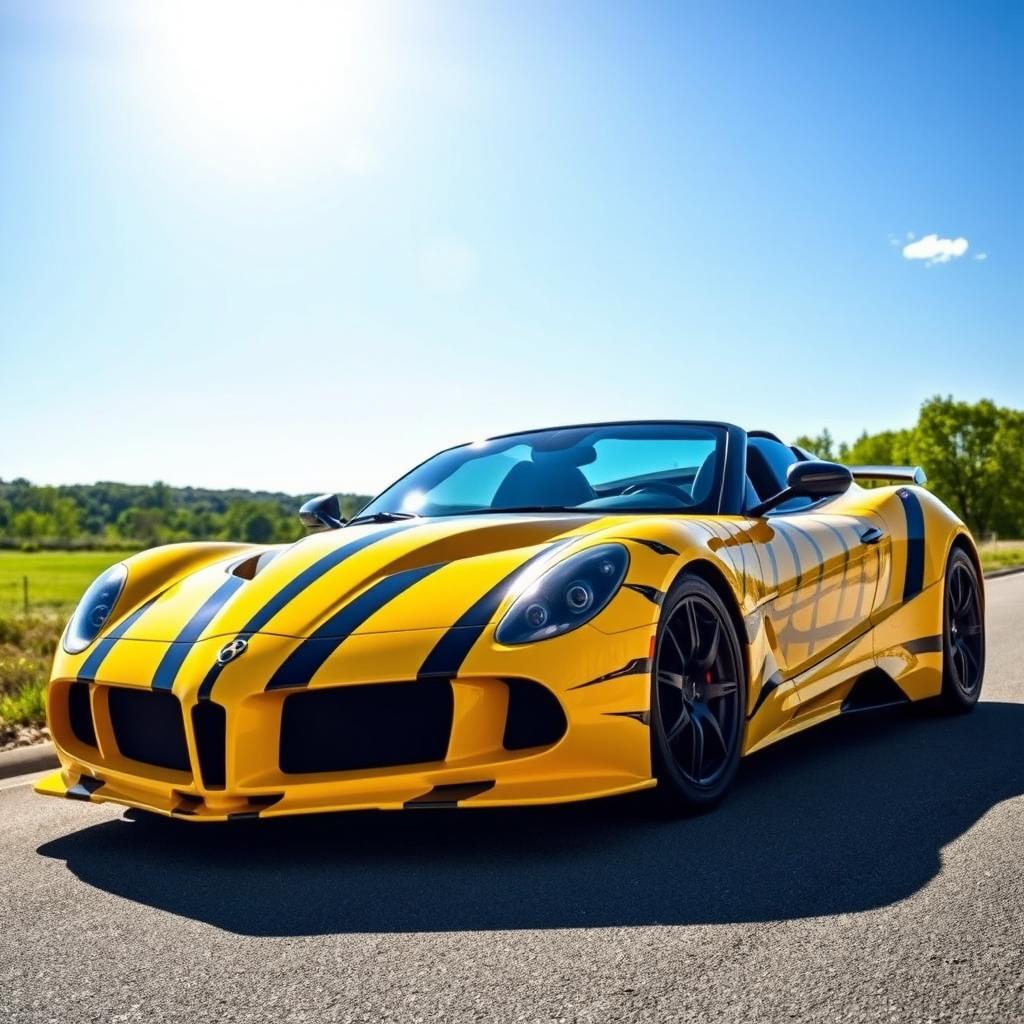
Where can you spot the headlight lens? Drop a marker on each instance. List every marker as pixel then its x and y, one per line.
pixel 566 596
pixel 94 609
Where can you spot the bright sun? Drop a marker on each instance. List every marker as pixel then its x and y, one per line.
pixel 266 86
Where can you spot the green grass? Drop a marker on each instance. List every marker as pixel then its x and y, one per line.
pixel 27 643
pixel 56 579
pixel 1003 555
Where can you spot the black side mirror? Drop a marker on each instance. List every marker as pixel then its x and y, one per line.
pixel 322 513
pixel 809 480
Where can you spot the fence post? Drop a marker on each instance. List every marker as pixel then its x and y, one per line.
pixel 24 590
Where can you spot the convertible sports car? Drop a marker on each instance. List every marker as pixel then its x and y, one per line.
pixel 545 616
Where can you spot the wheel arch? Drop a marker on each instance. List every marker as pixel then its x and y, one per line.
pixel 715 578
pixel 964 542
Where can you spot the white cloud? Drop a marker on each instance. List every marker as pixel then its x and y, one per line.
pixel 981 256
pixel 933 249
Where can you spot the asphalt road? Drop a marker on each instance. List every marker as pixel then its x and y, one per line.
pixel 872 870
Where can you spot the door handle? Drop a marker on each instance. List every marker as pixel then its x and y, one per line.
pixel 872 535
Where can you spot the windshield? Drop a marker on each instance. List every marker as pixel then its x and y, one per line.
pixel 666 467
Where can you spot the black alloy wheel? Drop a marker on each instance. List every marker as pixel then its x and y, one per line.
pixel 698 697
pixel 963 662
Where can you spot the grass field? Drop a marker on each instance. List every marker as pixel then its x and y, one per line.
pixel 57 579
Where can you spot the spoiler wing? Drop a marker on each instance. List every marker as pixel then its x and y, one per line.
pixel 902 474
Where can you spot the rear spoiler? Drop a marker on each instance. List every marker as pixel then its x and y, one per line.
pixel 901 474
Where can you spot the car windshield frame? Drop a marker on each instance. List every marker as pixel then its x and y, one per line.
pixel 391 503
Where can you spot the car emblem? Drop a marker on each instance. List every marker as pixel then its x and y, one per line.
pixel 233 650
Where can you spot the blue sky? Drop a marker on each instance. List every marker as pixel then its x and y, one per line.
pixel 301 247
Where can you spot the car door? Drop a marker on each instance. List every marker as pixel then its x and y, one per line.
pixel 820 564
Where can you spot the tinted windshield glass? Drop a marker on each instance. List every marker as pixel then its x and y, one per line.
pixel 652 467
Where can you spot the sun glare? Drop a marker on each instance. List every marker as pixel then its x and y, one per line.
pixel 266 86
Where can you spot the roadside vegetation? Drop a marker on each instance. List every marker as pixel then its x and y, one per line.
pixel 55 540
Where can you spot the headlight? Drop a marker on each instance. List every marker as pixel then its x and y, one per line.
pixel 94 609
pixel 566 596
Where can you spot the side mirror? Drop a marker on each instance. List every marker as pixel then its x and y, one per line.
pixel 809 480
pixel 322 513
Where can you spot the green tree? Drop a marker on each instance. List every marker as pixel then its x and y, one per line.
pixel 821 445
pixel 973 454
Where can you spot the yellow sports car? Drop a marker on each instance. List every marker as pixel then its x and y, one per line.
pixel 544 616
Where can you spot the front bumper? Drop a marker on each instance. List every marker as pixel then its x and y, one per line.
pixel 600 683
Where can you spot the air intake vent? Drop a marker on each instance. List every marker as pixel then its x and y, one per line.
pixel 80 714
pixel 535 718
pixel 209 723
pixel 149 727
pixel 378 726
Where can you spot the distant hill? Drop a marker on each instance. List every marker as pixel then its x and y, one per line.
pixel 115 515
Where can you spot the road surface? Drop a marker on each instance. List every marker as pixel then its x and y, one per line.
pixel 871 871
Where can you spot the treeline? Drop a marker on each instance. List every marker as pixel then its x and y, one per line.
pixel 972 452
pixel 113 515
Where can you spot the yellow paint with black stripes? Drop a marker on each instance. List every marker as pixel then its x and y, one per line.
pixel 361 667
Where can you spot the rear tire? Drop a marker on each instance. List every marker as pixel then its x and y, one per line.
pixel 698 699
pixel 963 635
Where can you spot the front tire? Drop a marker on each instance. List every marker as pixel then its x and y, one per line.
pixel 698 698
pixel 963 635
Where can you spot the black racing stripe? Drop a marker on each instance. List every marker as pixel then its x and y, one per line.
pixel 84 788
pixel 792 550
pixel 924 645
pixel 287 593
pixel 768 687
pixel 206 686
pixel 301 665
pixel 451 650
pixel 171 662
pixel 652 594
pixel 311 574
pixel 632 668
pixel 913 580
pixel 91 665
pixel 654 545
pixel 448 796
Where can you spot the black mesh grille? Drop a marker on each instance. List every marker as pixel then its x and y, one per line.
pixel 149 727
pixel 80 714
pixel 377 726
pixel 535 718
pixel 209 723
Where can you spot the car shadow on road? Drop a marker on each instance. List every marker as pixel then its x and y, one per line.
pixel 850 816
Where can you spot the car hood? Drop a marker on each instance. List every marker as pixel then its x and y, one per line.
pixel 414 575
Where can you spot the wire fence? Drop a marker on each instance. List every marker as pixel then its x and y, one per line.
pixel 15 594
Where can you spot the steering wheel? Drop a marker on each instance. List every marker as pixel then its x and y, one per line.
pixel 661 487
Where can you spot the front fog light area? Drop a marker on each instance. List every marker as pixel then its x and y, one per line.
pixel 566 596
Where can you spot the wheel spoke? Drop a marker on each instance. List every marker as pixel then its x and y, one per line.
pixel 703 714
pixel 956 593
pixel 713 691
pixel 969 656
pixel 698 747
pixel 961 662
pixel 691 624
pixel 708 658
pixel 671 679
pixel 680 724
pixel 675 644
